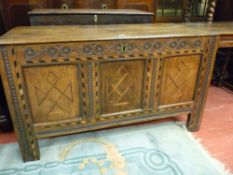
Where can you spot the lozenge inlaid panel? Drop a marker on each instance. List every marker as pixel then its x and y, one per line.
pixel 121 85
pixel 179 78
pixel 53 92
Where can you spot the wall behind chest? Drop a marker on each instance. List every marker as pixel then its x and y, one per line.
pixel 14 12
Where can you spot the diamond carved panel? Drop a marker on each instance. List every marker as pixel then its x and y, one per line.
pixel 121 86
pixel 51 92
pixel 178 79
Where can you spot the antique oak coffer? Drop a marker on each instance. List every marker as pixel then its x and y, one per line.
pixel 68 79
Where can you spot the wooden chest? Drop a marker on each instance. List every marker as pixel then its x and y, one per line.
pixel 89 16
pixel 69 79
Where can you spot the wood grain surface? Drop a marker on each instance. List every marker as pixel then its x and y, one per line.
pixel 63 80
pixel 44 34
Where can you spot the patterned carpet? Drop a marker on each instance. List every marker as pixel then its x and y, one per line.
pixel 146 149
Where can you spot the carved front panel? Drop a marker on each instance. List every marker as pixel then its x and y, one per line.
pixel 179 79
pixel 121 86
pixel 53 92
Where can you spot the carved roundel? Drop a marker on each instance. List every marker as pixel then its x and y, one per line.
pixel 87 49
pixel 147 46
pixel 65 51
pixel 157 45
pixel 173 44
pixel 30 52
pixel 52 51
pixel 182 43
pixel 99 48
pixel 197 43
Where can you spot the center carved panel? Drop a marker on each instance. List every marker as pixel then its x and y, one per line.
pixel 121 86
pixel 179 79
pixel 51 92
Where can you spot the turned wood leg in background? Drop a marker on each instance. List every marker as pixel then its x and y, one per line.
pixel 211 10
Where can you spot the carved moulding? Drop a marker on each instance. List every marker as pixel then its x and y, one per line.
pixel 22 122
pixel 94 49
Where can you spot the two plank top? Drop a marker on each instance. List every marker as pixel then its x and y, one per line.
pixel 49 34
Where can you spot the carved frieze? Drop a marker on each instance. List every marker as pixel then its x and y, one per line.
pixel 99 49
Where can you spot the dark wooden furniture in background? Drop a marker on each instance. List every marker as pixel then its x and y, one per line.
pixel 89 16
pixel 223 72
pixel 228 80
pixel 207 12
pixel 104 76
pixel 145 5
pixel 14 12
pixel 2 28
pixel 224 10
pixel 5 121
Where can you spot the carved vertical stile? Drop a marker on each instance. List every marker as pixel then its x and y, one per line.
pixel 90 91
pixel 158 80
pixel 21 119
pixel 27 115
pixel 147 81
pixel 200 81
pixel 144 95
pixel 79 77
pixel 153 83
pixel 96 93
pixel 195 117
pixel 84 91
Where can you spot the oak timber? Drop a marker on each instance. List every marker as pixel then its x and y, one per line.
pixel 69 79
pixel 26 35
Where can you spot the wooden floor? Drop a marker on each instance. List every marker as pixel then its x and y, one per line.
pixel 216 130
